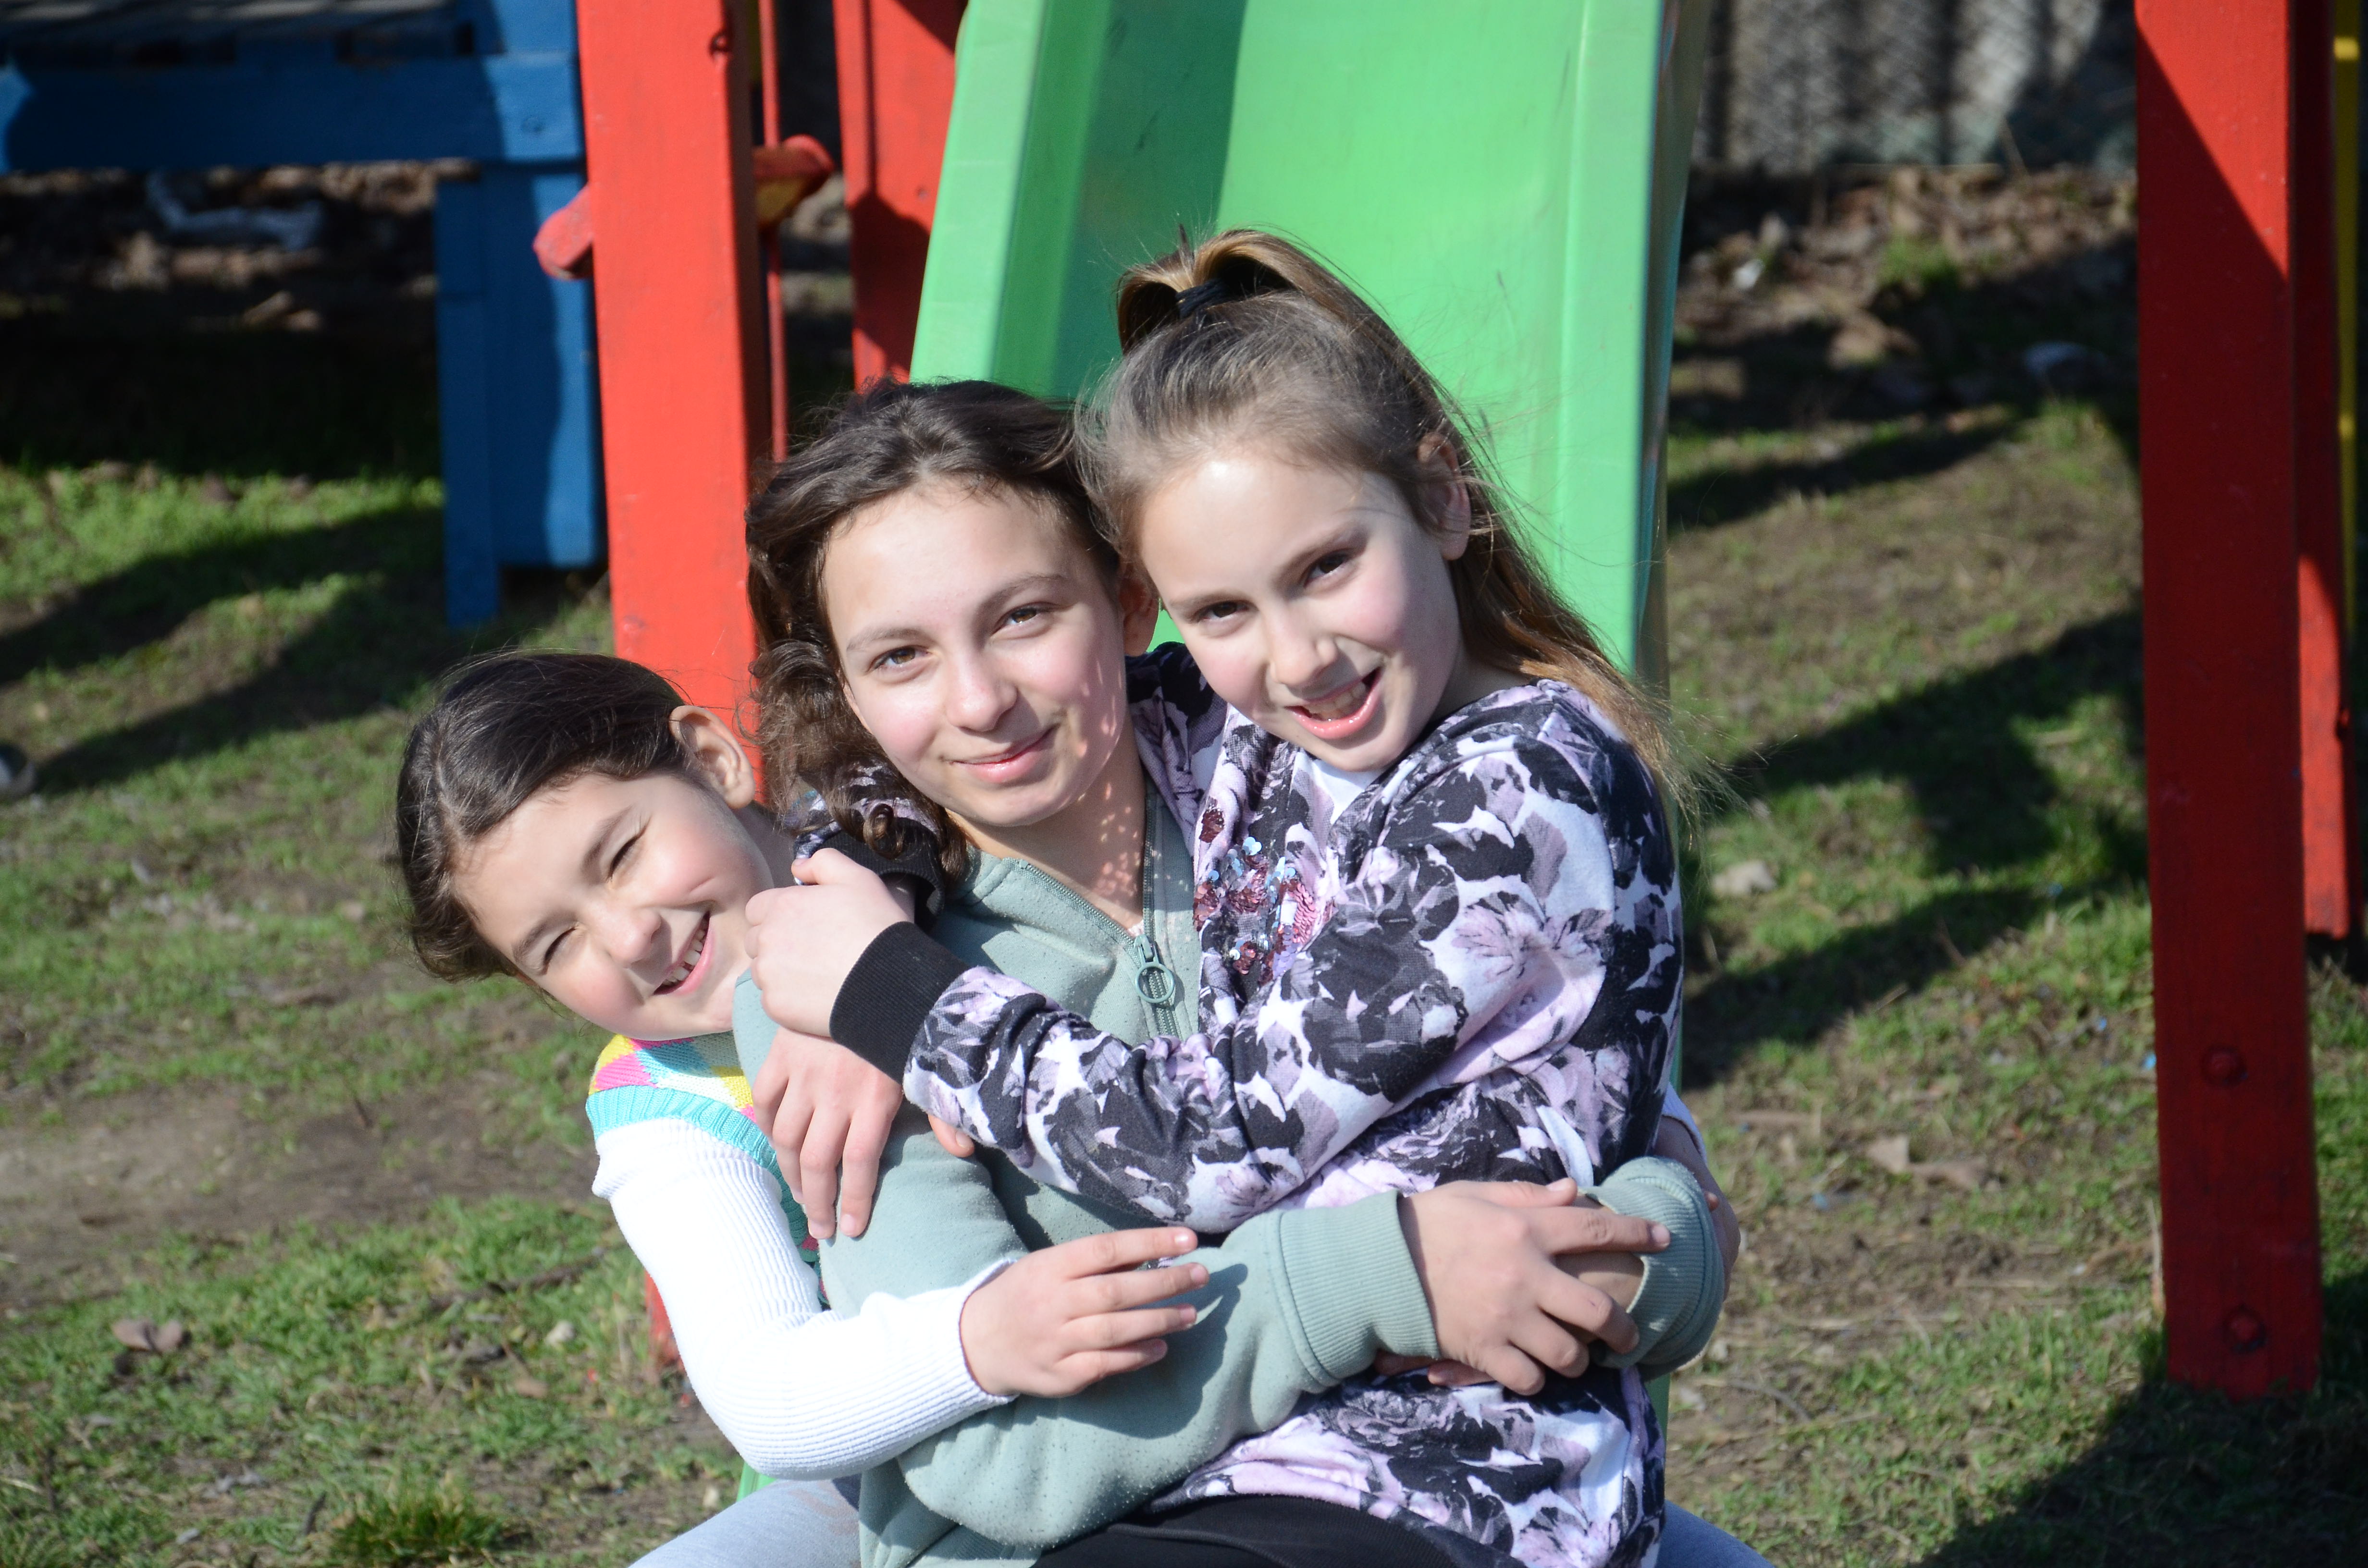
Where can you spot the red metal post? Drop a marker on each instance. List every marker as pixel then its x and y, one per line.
pixel 768 241
pixel 2227 446
pixel 682 341
pixel 895 96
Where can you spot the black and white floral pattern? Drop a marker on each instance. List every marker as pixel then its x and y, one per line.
pixel 1473 970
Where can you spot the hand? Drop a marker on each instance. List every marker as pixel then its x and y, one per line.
pixel 1674 1142
pixel 828 1112
pixel 1065 1318
pixel 802 940
pixel 1444 1373
pixel 1500 1301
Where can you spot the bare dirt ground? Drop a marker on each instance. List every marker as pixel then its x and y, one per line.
pixel 112 1178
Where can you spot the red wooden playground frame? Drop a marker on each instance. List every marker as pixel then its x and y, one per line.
pixel 2250 794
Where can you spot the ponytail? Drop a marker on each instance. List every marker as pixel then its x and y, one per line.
pixel 1245 336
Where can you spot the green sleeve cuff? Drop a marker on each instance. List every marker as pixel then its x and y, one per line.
pixel 1352 1285
pixel 1684 1290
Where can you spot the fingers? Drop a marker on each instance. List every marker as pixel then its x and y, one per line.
pixel 1136 1288
pixel 791 1123
pixel 818 1159
pixel 761 906
pixel 1522 1194
pixel 859 1170
pixel 1456 1375
pixel 1115 1250
pixel 1588 1310
pixel 1111 1331
pixel 829 868
pixel 772 1081
pixel 954 1140
pixel 1088 1368
pixel 1597 1229
pixel 1505 1364
pixel 1551 1345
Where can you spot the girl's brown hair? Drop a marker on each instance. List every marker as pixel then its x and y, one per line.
pixel 887 439
pixel 1246 338
pixel 507 727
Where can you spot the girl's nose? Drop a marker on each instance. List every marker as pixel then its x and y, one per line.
pixel 630 934
pixel 978 696
pixel 1302 659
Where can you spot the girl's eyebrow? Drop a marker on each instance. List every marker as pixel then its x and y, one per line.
pixel 593 856
pixel 1349 530
pixel 995 602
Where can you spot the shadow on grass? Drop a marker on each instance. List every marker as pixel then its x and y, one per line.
pixel 326 404
pixel 1969 335
pixel 1981 788
pixel 1794 1000
pixel 1719 497
pixel 379 638
pixel 1985 800
pixel 2182 1478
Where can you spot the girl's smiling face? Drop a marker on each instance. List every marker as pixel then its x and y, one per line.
pixel 626 898
pixel 1315 601
pixel 984 648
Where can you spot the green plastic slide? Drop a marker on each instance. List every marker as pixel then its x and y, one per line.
pixel 1504 178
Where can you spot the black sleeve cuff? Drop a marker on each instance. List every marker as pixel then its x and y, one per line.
pixel 887 995
pixel 915 866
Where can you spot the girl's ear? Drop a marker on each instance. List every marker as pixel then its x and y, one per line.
pixel 1138 609
pixel 715 750
pixel 1445 496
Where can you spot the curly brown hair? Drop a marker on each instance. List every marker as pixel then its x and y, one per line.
pixel 888 438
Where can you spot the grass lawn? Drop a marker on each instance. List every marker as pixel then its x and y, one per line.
pixel 227 1101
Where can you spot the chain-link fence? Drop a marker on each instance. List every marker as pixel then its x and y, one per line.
pixel 1795 85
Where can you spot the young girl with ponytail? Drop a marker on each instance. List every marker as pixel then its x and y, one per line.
pixel 1436 894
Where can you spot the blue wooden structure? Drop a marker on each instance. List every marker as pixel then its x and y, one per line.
pixel 195 84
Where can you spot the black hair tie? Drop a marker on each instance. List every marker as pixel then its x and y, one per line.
pixel 1194 302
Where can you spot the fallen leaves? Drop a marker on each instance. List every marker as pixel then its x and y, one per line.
pixel 1891 1155
pixel 1744 879
pixel 138 1337
pixel 139 1334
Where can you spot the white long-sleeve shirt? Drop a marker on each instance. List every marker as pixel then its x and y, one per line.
pixel 799 1391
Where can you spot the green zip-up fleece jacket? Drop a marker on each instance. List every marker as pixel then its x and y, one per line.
pixel 1297 1300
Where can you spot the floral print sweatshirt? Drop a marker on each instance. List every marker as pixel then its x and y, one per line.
pixel 1470 969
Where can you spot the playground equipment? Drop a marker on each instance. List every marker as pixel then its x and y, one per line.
pixel 2249 785
pixel 182 85
pixel 1507 190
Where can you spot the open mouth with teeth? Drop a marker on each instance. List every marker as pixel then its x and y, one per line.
pixel 687 966
pixel 1345 712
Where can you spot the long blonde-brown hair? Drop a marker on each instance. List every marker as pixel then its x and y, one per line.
pixel 1246 338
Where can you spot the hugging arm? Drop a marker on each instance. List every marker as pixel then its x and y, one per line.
pixel 1492 889
pixel 1296 1302
pixel 1289 1309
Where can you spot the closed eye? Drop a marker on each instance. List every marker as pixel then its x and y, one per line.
pixel 550 950
pixel 624 853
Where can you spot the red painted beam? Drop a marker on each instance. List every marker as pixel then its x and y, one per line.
pixel 895 97
pixel 2223 408
pixel 683 373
